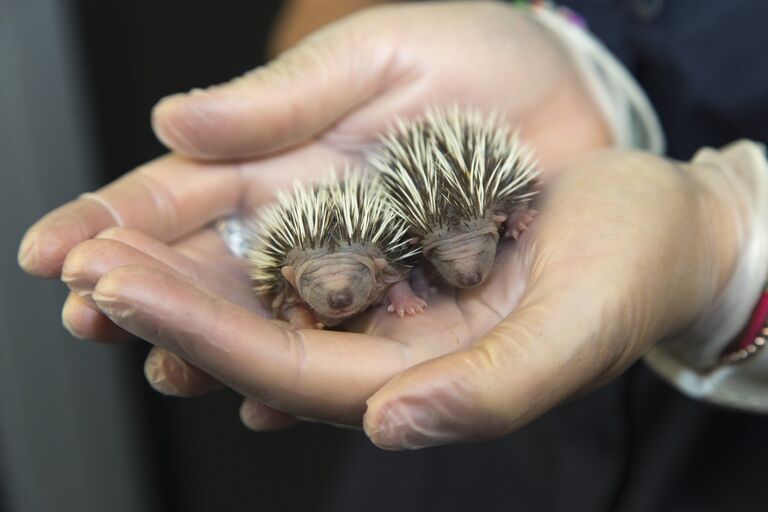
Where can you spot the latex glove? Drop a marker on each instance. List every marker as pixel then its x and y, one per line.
pixel 628 249
pixel 700 360
pixel 322 102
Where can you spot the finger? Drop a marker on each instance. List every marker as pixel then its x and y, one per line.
pixel 594 300
pixel 202 257
pixel 530 362
pixel 168 374
pixel 118 246
pixel 259 417
pixel 308 373
pixel 290 100
pixel 84 320
pixel 90 260
pixel 166 199
pixel 165 372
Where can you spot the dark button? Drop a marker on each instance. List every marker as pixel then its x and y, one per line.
pixel 648 10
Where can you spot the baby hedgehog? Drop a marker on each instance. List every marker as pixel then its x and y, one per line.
pixel 329 251
pixel 457 178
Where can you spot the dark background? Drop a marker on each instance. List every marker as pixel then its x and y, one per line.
pixel 144 50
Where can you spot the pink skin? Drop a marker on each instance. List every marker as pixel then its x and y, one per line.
pixel 300 316
pixel 518 221
pixel 402 300
pixel 288 306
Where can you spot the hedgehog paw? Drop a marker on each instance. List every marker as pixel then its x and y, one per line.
pixel 519 221
pixel 301 317
pixel 402 300
pixel 410 306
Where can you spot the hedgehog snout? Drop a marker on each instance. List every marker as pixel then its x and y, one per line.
pixel 464 260
pixel 466 273
pixel 337 286
pixel 471 279
pixel 340 299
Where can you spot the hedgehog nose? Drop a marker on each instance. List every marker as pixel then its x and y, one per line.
pixel 471 279
pixel 340 299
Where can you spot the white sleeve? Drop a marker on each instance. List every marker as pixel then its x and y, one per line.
pixel 692 361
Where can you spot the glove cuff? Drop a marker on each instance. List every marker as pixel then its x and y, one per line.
pixel 712 360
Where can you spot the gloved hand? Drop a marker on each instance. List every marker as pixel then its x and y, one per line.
pixel 320 103
pixel 628 249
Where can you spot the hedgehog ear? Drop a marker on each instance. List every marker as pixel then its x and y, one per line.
pixel 289 273
pixel 379 264
pixel 499 219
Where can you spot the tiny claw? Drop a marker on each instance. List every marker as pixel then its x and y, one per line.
pixel 515 234
pixel 319 325
pixel 390 308
pixel 404 301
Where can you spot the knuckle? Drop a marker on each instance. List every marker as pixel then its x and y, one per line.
pixel 79 256
pixel 90 255
pixel 165 204
pixel 295 350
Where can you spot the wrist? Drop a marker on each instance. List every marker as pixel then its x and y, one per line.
pixel 734 220
pixel 752 339
pixel 712 360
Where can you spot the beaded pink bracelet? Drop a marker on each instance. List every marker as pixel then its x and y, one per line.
pixel 752 338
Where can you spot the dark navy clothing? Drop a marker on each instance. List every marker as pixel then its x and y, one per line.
pixel 703 63
pixel 637 444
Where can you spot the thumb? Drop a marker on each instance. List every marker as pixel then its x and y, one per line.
pixel 546 350
pixel 278 105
